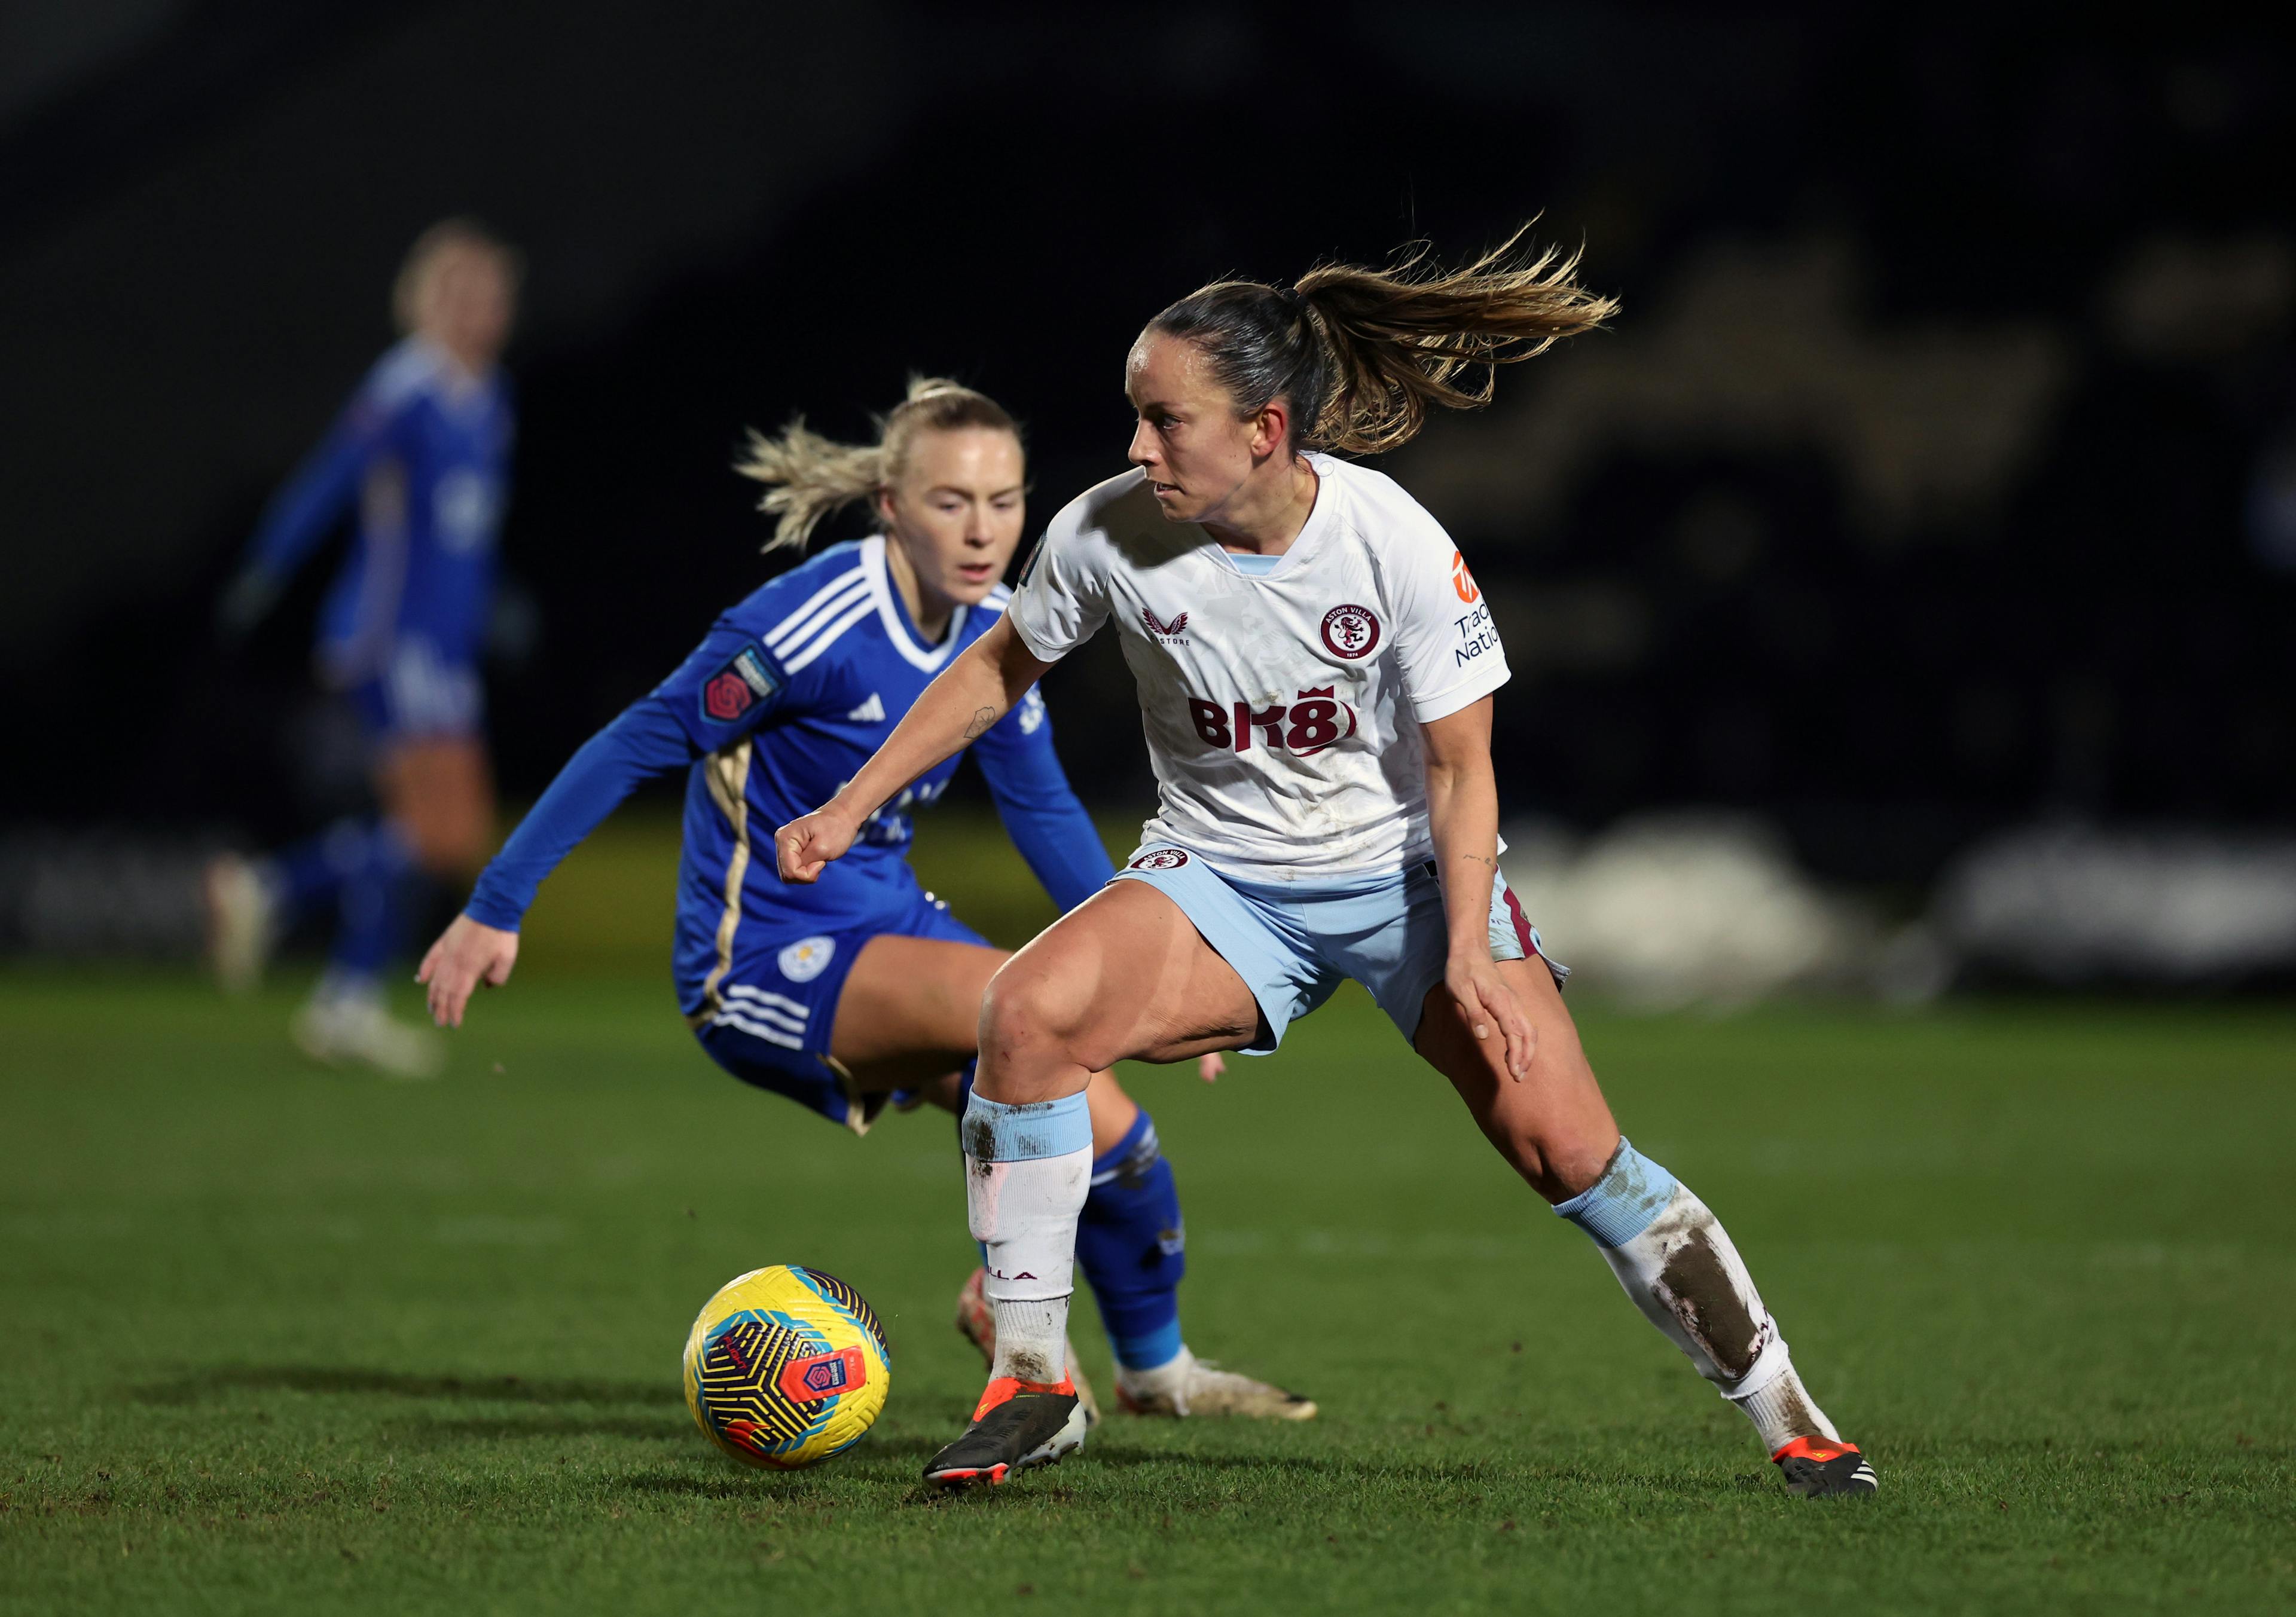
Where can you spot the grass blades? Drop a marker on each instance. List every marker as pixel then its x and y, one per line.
pixel 274 1336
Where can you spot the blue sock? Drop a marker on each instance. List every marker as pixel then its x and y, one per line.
pixel 1622 1203
pixel 374 903
pixel 311 873
pixel 1132 1247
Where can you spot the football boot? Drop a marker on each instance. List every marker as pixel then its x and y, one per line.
pixel 333 1029
pixel 1015 1426
pixel 1817 1467
pixel 1190 1386
pixel 977 1322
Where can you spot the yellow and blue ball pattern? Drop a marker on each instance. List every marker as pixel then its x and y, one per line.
pixel 786 1367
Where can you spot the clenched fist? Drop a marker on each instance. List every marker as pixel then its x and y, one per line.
pixel 804 847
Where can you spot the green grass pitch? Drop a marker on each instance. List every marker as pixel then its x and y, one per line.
pixel 277 1340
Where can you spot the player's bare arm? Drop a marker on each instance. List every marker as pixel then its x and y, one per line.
pixel 976 690
pixel 1462 815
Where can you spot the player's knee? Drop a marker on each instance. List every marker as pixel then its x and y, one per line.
pixel 1560 1161
pixel 1026 1020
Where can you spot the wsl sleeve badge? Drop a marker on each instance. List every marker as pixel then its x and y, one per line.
pixel 786 1367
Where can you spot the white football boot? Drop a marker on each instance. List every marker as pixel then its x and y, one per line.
pixel 1190 1387
pixel 977 1321
pixel 243 923
pixel 336 1025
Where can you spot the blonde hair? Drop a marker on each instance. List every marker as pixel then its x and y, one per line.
pixel 446 236
pixel 807 476
pixel 1362 353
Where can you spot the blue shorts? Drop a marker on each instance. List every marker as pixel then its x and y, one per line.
pixel 1294 943
pixel 420 696
pixel 769 1018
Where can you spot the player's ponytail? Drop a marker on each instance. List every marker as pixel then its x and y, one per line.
pixel 807 476
pixel 1361 354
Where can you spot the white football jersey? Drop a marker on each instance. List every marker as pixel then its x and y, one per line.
pixel 1282 709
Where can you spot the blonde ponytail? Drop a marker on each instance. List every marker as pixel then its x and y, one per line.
pixel 1362 353
pixel 807 476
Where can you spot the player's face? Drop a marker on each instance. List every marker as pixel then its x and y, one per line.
pixel 1186 436
pixel 957 508
pixel 468 302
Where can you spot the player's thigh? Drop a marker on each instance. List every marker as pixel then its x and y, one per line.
pixel 1553 1125
pixel 439 791
pixel 1124 975
pixel 909 1016
pixel 910 1009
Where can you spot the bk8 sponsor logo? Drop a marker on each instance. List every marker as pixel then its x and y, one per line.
pixel 1305 726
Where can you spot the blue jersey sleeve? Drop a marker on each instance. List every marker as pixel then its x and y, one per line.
pixel 1039 808
pixel 729 686
pixel 322 489
pixel 646 740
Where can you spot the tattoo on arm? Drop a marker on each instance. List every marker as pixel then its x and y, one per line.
pixel 1480 859
pixel 982 719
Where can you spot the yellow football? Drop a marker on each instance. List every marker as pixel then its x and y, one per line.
pixel 786 1367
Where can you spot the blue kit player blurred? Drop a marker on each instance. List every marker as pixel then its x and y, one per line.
pixel 864 992
pixel 420 456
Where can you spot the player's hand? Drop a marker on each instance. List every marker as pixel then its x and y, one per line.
pixel 1487 1006
pixel 1208 1067
pixel 803 848
pixel 469 955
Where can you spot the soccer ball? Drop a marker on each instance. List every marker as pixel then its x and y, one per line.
pixel 786 1367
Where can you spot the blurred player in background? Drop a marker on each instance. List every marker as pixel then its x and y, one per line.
pixel 1315 669
pixel 421 453
pixel 864 992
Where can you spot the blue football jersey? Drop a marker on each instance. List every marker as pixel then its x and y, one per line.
pixel 423 451
pixel 787 697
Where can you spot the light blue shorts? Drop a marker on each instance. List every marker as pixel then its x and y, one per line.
pixel 1294 942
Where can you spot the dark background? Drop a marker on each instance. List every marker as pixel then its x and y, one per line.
pixel 1921 487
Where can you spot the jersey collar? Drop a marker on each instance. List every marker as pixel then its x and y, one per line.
pixel 1320 521
pixel 895 617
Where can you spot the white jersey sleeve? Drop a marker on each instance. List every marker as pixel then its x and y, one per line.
pixel 1063 597
pixel 1446 646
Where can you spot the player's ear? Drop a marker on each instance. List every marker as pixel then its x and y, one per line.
pixel 882 503
pixel 1271 428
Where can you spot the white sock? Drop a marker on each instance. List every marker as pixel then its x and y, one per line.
pixel 1783 1410
pixel 1677 1263
pixel 1027 1171
pixel 1168 1379
pixel 336 986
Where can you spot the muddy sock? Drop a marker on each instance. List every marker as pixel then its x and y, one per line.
pixel 1676 1261
pixel 1026 1172
pixel 1783 1410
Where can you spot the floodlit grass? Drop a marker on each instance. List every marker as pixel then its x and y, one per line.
pixel 273 1339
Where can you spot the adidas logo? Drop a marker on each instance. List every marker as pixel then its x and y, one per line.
pixel 871 712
